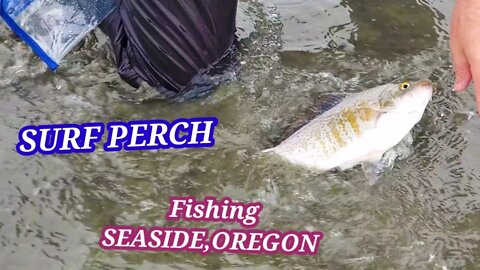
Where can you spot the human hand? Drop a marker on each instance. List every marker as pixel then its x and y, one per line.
pixel 465 45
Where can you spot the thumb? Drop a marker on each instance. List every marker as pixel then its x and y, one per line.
pixel 463 75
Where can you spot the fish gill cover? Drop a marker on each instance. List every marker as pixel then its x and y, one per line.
pixel 52 28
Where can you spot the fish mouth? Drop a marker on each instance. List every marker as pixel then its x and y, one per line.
pixel 424 83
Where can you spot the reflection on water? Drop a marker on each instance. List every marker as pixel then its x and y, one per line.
pixel 422 215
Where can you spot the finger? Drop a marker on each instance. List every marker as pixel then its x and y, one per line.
pixel 461 66
pixel 476 84
pixel 463 75
pixel 471 53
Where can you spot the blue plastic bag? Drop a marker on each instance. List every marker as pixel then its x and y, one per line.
pixel 52 28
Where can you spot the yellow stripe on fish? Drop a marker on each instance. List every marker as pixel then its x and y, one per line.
pixel 351 119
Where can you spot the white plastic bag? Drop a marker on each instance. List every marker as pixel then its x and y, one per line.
pixel 52 28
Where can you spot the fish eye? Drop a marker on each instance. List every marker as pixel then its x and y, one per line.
pixel 404 86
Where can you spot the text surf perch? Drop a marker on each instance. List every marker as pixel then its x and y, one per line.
pixel 131 136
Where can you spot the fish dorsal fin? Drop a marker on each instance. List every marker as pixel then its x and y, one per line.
pixel 327 102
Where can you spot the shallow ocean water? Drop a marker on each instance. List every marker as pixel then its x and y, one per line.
pixel 423 214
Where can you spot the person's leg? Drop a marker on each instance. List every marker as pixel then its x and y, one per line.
pixel 112 26
pixel 167 42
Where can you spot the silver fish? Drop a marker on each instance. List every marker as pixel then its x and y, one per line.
pixel 360 129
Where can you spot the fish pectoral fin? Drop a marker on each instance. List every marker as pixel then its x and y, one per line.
pixel 369 114
pixel 375 106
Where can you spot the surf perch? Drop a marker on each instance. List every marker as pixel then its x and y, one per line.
pixel 360 129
